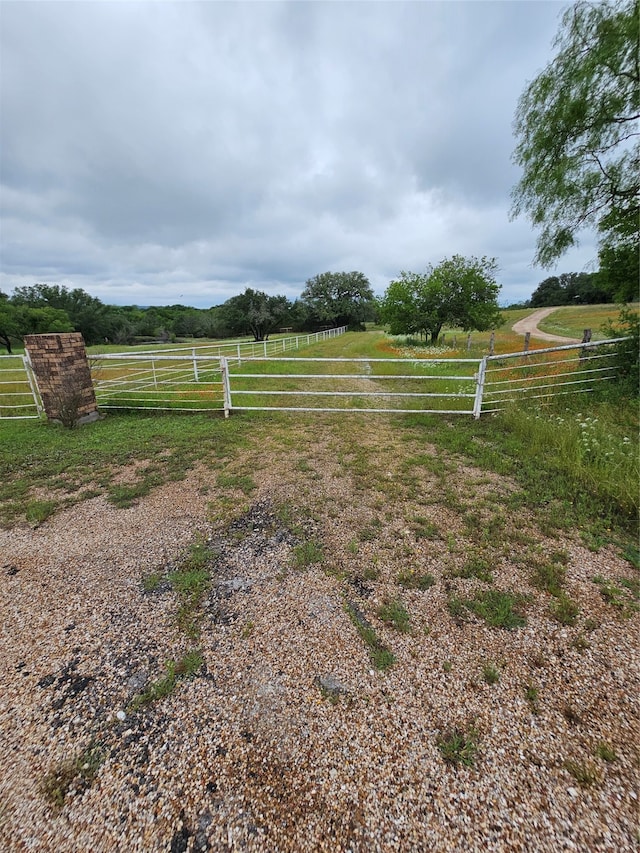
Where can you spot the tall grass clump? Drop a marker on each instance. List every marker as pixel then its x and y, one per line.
pixel 590 452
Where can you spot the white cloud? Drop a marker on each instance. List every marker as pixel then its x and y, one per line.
pixel 179 152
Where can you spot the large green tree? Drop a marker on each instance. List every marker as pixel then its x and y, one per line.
pixel 254 311
pixel 577 130
pixel 459 292
pixel 16 321
pixel 339 299
pixel 87 313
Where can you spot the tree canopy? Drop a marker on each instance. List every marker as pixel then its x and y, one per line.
pixel 255 312
pixel 339 299
pixel 576 123
pixel 459 292
pixel 573 288
pixel 16 321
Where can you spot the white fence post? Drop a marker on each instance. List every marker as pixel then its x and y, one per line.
pixel 153 369
pixel 480 377
pixel 195 366
pixel 226 387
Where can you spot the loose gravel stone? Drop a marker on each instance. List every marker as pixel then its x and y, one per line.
pixel 253 753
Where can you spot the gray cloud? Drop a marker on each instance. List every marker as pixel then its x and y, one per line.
pixel 164 152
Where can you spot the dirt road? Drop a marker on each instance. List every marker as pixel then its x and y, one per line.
pixel 530 324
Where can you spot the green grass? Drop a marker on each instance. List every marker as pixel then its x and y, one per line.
pixel 36 512
pixel 307 554
pixel 565 610
pixel 606 752
pixel 152 581
pixel 78 772
pixel 381 657
pixel 393 613
pixel 191 581
pixel 185 667
pixel 458 747
pixel 409 579
pixel 36 456
pixel 478 566
pixel 532 695
pixel 548 577
pixel 572 472
pixel 585 773
pixel 490 673
pixel 624 596
pixel 498 609
pixel 242 482
pixel 571 320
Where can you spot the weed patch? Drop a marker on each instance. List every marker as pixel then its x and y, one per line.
pixel 606 752
pixel 152 582
pixel 585 773
pixel 424 529
pixel 307 554
pixel 498 609
pixel 394 614
pixel 191 581
pixel 78 772
pixel 532 695
pixel 185 667
pixel 381 657
pixel 243 482
pixel 623 597
pixel 548 577
pixel 490 673
pixel 410 579
pixel 37 512
pixel 458 747
pixel 565 610
pixel 477 566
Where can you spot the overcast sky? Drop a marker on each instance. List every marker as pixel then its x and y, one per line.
pixel 158 153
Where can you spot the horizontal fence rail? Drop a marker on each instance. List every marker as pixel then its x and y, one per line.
pixel 344 384
pixel 209 382
pixel 544 373
pixel 164 382
pixel 19 396
pixel 249 349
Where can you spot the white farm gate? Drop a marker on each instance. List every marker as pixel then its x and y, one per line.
pixel 19 397
pixel 199 381
pixel 378 385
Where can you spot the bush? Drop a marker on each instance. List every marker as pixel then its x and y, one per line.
pixel 628 351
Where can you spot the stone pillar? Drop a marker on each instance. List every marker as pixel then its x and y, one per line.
pixel 60 365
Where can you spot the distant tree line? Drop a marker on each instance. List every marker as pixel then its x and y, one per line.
pixel 458 292
pixel 328 300
pixel 617 280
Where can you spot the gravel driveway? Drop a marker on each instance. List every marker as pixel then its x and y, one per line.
pixel 288 738
pixel 530 324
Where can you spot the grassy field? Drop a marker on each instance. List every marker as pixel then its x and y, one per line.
pixel 571 320
pixel 579 464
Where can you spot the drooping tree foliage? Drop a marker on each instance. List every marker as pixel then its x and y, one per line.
pixel 459 292
pixel 577 130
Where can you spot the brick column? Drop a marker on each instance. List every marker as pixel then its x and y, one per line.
pixel 62 372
